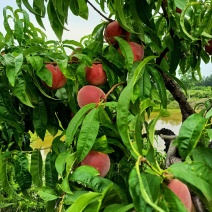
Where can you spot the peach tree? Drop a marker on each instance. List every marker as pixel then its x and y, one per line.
pixel 99 98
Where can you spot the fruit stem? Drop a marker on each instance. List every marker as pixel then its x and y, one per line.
pixel 112 89
pixel 108 19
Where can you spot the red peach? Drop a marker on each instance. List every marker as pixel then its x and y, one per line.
pixel 178 10
pixel 58 79
pixel 99 161
pixel 95 75
pixel 89 94
pixel 114 29
pixel 208 48
pixel 182 191
pixel 138 51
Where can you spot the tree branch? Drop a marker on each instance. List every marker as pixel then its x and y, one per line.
pixel 178 95
pixel 174 89
pixel 108 19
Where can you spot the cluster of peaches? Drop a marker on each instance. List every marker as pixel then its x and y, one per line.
pixel 95 75
pixel 91 93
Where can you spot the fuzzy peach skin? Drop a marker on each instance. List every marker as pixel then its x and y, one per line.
pixel 58 79
pixel 95 75
pixel 182 191
pixel 137 50
pixel 208 48
pixel 89 94
pixel 99 161
pixel 114 29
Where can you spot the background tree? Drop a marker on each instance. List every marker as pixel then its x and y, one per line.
pixel 104 121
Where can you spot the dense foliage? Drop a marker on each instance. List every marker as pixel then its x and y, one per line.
pixel 116 125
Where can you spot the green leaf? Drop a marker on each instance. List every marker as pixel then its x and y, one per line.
pixel 76 122
pixel 88 134
pixel 146 15
pixel 190 133
pixel 175 55
pixel 40 118
pixel 20 90
pixel 6 20
pixel 52 122
pixel 83 9
pixel 100 144
pixel 19 31
pixel 70 161
pixel 182 19
pixel 172 202
pixel 74 6
pixel 5 205
pixel 89 176
pixel 142 88
pixel 145 104
pixel 86 59
pixel 84 200
pixel 32 50
pixel 151 126
pixel 36 168
pixel 180 4
pixel 126 51
pixel 22 175
pixel 4 181
pixel 138 72
pixel 13 66
pixel 120 15
pixel 56 21
pixel 160 85
pixel 45 75
pixel 122 115
pixel 118 208
pixel 111 71
pixel 70 199
pixel 47 194
pixel 39 6
pixel 51 175
pixel 114 57
pixel 7 110
pixel 60 162
pixel 105 120
pixel 65 186
pixel 29 7
pixel 36 62
pixel 140 191
pixel 202 155
pixel 95 47
pixel 73 42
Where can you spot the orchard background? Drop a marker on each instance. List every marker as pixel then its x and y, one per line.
pixel 99 99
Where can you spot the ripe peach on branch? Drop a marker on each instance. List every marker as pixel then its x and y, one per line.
pixel 208 48
pixel 99 161
pixel 114 29
pixel 137 50
pixel 58 79
pixel 95 75
pixel 90 94
pixel 182 191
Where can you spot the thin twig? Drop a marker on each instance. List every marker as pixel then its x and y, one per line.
pixel 108 19
pixel 112 89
